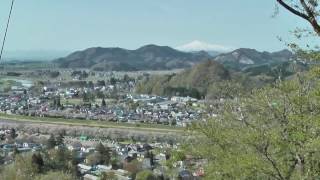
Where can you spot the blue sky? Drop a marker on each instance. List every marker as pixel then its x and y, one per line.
pixel 79 24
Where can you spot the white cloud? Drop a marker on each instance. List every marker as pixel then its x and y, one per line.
pixel 203 46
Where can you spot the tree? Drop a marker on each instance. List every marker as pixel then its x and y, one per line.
pixel 103 103
pixel 133 167
pixel 271 134
pixel 101 83
pixel 90 85
pixel 60 139
pixel 57 102
pixel 104 152
pixel 62 157
pixel 21 169
pixel 13 133
pixel 51 142
pixel 72 166
pixel 108 176
pixel 86 97
pixel 113 81
pixel 37 162
pixel 94 159
pixel 15 151
pixel 145 175
pixel 149 154
pixel 305 9
pixel 126 78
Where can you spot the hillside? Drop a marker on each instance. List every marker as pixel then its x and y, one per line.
pixel 210 79
pixel 244 58
pixel 150 57
pixel 192 82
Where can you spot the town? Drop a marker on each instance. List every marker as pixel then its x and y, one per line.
pixel 111 98
pixel 104 100
pixel 95 159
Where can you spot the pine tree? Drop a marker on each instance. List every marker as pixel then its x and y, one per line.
pixel 37 162
pixel 103 103
pixel 51 143
pixel 15 151
pixel 60 140
pixel 105 153
pixel 13 133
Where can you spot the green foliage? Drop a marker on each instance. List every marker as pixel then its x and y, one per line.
pixel 61 158
pixel 103 103
pixel 193 82
pixel 108 176
pixel 13 133
pixel 60 140
pixel 182 91
pixel 101 156
pixel 55 176
pixel 175 156
pixel 145 175
pixel 104 152
pixel 21 169
pixel 272 134
pixel 226 90
pixel 51 142
pixel 37 162
pixel 133 167
pixel 94 159
pixel 88 97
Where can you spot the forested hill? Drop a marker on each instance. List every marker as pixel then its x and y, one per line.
pixel 210 78
pixel 192 82
pixel 150 57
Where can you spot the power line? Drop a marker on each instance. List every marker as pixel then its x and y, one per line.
pixel 7 27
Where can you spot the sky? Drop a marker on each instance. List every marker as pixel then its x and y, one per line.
pixel 68 25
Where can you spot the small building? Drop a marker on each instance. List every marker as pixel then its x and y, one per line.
pixel 84 168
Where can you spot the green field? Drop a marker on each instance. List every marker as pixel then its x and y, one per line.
pixel 92 123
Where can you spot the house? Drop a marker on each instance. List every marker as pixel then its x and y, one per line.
pixel 103 167
pixel 33 146
pixel 87 149
pixel 84 168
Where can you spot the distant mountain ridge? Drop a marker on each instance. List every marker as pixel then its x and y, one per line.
pixel 153 57
pixel 149 57
pixel 243 58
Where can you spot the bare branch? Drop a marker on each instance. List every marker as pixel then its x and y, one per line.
pixel 310 16
pixel 292 10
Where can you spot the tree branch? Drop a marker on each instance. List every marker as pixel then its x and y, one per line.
pixel 273 163
pixel 310 16
pixel 292 10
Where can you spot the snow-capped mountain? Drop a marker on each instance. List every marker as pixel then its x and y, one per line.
pixel 203 46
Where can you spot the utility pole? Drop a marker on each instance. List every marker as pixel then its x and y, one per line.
pixel 6 31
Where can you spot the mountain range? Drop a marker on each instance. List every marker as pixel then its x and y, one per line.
pixel 149 57
pixel 243 58
pixel 153 57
